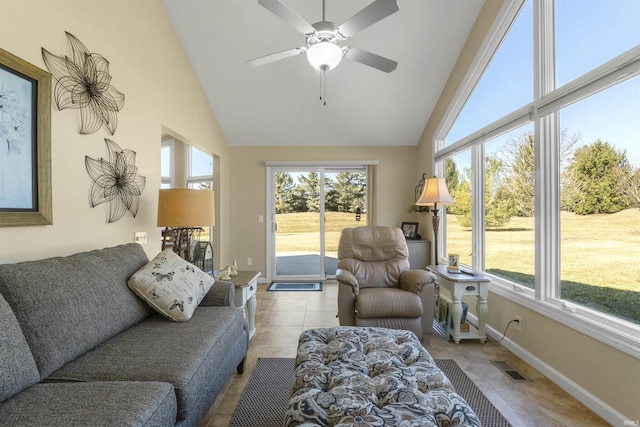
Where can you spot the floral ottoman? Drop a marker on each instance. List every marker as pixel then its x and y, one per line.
pixel 352 376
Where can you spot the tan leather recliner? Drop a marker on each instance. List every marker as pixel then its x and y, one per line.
pixel 376 285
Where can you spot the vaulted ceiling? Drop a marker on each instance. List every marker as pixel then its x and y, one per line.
pixel 278 104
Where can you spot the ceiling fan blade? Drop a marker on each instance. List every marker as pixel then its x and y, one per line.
pixel 376 11
pixel 277 56
pixel 288 15
pixel 371 59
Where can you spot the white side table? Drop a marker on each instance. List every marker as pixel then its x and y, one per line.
pixel 458 285
pixel 246 284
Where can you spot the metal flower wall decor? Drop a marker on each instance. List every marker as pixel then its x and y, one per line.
pixel 116 180
pixel 84 82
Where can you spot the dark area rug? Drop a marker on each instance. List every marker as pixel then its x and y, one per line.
pixel 488 414
pixel 265 399
pixel 296 287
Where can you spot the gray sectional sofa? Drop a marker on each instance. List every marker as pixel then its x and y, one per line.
pixel 79 348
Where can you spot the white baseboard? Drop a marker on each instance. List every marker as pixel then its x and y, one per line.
pixel 585 397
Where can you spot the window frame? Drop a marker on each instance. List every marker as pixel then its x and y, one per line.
pixel 171 179
pixel 543 113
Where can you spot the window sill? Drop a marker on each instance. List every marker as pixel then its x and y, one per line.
pixel 609 330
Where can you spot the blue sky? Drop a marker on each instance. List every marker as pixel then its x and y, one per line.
pixel 588 33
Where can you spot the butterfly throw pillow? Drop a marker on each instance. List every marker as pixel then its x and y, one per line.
pixel 171 285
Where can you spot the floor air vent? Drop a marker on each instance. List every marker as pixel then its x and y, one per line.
pixel 511 372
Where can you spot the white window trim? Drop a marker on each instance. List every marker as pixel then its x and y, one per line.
pixel 171 180
pixel 620 334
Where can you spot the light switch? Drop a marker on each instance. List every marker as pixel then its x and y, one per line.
pixel 260 218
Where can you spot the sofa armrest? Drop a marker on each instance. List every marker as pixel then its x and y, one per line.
pixel 221 294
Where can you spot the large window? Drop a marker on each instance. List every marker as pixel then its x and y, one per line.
pixel 509 243
pixel 458 223
pixel 544 156
pixel 599 214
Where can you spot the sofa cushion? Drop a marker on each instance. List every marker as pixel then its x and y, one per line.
pixel 171 285
pixel 68 305
pixel 197 357
pixel 18 369
pixel 92 404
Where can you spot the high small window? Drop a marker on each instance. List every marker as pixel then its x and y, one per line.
pixel 506 84
pixel 200 169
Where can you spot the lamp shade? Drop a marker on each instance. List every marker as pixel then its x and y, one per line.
pixel 435 192
pixel 185 207
pixel 324 55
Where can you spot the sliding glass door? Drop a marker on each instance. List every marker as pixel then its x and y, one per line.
pixel 309 208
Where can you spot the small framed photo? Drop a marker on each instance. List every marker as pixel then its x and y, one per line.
pixel 410 230
pixel 453 263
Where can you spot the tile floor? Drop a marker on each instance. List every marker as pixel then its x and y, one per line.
pixel 282 316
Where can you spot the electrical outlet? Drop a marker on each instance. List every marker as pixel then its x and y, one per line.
pixel 249 261
pixel 518 324
pixel 140 237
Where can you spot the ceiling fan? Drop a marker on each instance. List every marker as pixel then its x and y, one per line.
pixel 324 39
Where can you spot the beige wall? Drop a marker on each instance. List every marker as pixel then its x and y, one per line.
pixel 162 95
pixel 397 175
pixel 607 374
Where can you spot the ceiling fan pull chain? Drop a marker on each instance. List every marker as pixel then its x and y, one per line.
pixel 323 87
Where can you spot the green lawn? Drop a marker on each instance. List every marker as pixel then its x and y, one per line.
pixel 299 231
pixel 600 254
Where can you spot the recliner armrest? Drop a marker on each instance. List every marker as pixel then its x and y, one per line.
pixel 347 278
pixel 414 280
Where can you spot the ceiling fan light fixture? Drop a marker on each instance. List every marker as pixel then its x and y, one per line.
pixel 324 55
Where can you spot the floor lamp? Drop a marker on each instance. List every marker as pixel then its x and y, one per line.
pixel 182 212
pixel 435 193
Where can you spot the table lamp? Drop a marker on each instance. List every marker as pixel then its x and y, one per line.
pixel 182 212
pixel 435 193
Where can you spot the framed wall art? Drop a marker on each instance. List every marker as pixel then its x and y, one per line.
pixel 25 143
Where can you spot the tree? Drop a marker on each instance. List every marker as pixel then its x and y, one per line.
pixel 519 163
pixel 462 196
pixel 630 186
pixel 309 190
pixel 451 174
pixel 350 189
pixel 498 201
pixel 592 181
pixel 284 192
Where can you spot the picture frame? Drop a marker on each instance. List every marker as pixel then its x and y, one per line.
pixel 453 263
pixel 25 143
pixel 410 230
